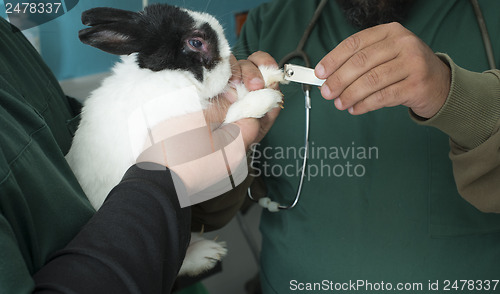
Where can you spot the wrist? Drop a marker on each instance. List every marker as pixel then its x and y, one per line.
pixel 434 103
pixel 471 109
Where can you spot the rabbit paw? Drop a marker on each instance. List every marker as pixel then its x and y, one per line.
pixel 272 75
pixel 254 104
pixel 201 256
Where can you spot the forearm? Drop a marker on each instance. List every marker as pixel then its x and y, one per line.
pixel 471 117
pixel 472 108
pixel 134 244
pixel 217 212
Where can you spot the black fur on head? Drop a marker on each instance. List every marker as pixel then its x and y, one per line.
pixel 163 36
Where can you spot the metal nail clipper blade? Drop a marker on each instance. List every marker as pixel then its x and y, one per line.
pixel 301 74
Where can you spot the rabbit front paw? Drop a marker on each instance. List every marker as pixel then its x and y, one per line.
pixel 254 104
pixel 201 256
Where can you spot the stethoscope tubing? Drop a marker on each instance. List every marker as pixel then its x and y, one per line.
pixel 297 53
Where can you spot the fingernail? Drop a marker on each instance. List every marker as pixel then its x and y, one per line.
pixel 319 70
pixel 326 92
pixel 338 104
pixel 351 110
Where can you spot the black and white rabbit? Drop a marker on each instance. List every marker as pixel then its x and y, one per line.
pixel 163 48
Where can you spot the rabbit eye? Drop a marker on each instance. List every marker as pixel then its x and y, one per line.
pixel 196 44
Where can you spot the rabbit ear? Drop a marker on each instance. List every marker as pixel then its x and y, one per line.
pixel 113 30
pixel 103 15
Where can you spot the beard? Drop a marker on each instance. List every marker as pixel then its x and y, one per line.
pixel 367 13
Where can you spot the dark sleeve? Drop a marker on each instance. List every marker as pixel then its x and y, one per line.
pixel 217 212
pixel 134 244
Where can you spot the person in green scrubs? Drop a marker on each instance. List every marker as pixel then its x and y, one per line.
pixel 51 239
pixel 402 189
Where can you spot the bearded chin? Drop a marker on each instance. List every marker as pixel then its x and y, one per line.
pixel 367 13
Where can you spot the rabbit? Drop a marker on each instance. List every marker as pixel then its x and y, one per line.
pixel 162 48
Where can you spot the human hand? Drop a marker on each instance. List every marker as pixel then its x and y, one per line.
pixel 384 66
pixel 247 71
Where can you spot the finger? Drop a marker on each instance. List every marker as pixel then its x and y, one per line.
pixel 271 116
pixel 386 97
pixel 358 64
pixel 249 130
pixel 262 58
pixel 235 70
pixel 266 122
pixel 372 81
pixel 252 78
pixel 268 119
pixel 348 47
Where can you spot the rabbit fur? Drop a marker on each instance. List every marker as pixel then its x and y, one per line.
pixel 162 49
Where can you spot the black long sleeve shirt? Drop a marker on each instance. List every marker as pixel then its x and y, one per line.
pixel 134 244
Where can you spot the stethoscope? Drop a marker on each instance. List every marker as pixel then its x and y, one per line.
pixel 299 52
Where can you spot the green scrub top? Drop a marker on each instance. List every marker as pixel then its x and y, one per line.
pixel 379 202
pixel 42 206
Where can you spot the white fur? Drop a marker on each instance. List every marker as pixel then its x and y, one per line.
pixel 272 75
pixel 101 153
pixel 257 103
pixel 202 255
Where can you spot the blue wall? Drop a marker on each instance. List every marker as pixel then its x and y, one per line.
pixel 69 58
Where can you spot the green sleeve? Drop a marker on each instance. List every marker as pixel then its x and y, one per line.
pixel 248 41
pixel 471 117
pixel 15 277
pixel 42 206
pixel 477 173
